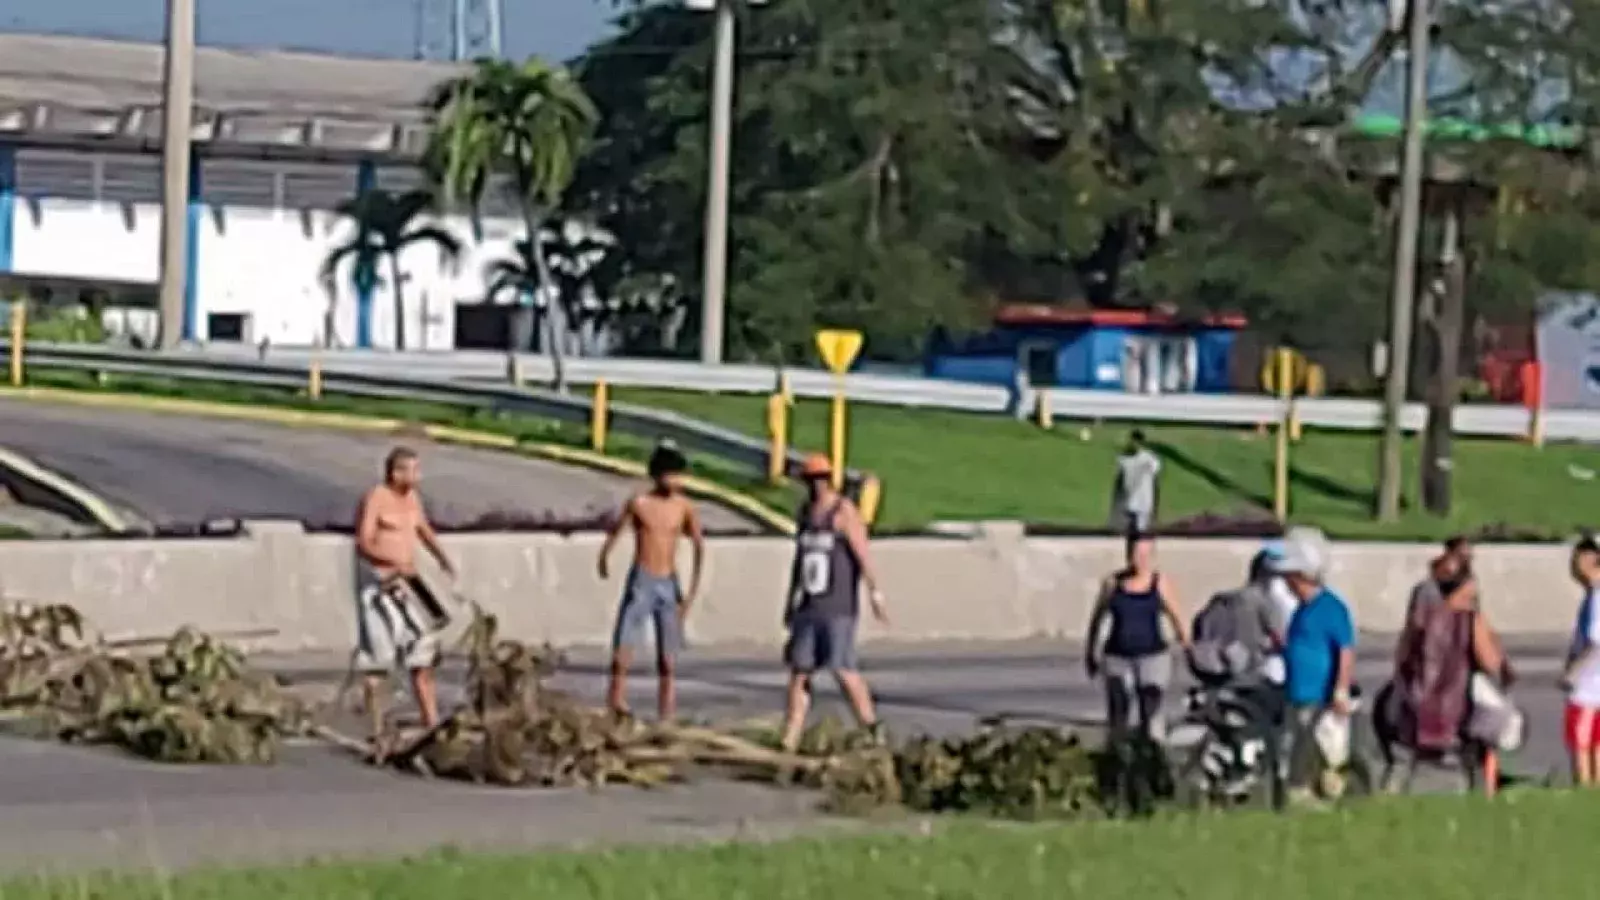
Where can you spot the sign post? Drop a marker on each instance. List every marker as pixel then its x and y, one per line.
pixel 838 349
pixel 19 334
pixel 1280 469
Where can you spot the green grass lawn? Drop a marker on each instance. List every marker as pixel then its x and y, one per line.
pixel 946 465
pixel 1534 845
pixel 939 465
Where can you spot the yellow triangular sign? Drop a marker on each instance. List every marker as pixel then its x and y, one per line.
pixel 838 349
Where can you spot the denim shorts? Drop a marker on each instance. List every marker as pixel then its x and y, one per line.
pixel 649 601
pixel 822 643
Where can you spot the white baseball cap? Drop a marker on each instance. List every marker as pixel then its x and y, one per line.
pixel 1304 551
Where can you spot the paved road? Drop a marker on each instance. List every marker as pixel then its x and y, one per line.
pixel 74 807
pixel 173 469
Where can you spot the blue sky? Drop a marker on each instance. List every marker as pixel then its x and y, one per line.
pixel 553 28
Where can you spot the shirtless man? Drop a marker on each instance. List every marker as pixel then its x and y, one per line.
pixel 389 525
pixel 660 517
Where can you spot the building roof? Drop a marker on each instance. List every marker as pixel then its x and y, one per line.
pixel 1037 315
pixel 80 92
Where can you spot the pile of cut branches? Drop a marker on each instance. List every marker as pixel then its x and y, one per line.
pixel 193 700
pixel 515 730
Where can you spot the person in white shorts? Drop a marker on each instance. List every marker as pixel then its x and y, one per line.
pixel 391 631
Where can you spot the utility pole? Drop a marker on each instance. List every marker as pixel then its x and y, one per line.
pixel 1403 308
pixel 177 116
pixel 714 307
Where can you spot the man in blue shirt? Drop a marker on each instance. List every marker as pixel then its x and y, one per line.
pixel 1319 653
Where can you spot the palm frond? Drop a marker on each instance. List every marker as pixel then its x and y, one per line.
pixel 449 245
pixel 529 121
pixel 356 249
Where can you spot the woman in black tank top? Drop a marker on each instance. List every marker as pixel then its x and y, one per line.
pixel 1127 643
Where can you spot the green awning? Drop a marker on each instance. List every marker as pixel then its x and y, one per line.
pixel 1564 137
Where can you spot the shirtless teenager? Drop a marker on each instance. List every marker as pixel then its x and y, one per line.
pixel 660 517
pixel 389 525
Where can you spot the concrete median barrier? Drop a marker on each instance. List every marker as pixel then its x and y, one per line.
pixel 998 585
pixel 295 588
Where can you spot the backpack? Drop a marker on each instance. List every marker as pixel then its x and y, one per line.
pixel 1219 650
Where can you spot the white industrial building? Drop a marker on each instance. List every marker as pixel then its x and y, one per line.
pixel 281 138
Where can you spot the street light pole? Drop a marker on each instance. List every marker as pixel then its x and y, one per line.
pixel 1403 301
pixel 177 115
pixel 714 307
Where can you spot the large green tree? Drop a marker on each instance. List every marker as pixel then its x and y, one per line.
pixel 1301 236
pixel 864 143
pixel 524 123
pixel 900 166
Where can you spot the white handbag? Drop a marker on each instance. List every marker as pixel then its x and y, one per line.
pixel 1332 736
pixel 1495 720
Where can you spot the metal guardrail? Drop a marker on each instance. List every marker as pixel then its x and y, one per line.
pixel 1346 414
pixel 467 378
pixel 690 434
pixel 733 378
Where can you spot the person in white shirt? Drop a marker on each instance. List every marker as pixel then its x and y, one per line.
pixel 1581 677
pixel 1135 494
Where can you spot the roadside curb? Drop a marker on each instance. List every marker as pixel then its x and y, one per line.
pixel 446 434
pixel 85 504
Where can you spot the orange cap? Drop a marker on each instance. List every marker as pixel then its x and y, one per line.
pixel 816 465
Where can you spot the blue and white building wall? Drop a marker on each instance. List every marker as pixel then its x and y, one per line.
pixel 261 231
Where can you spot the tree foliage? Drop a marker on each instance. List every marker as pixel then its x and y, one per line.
pixel 898 166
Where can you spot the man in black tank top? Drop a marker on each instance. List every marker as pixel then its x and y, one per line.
pixel 824 607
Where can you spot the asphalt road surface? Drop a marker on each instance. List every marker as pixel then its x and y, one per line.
pixel 183 470
pixel 73 807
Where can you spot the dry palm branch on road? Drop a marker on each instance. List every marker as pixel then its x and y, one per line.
pixel 190 698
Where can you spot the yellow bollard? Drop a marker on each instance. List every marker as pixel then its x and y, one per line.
pixel 1536 426
pixel 778 434
pixel 871 498
pixel 19 333
pixel 1280 467
pixel 1316 381
pixel 1047 419
pixel 314 380
pixel 599 416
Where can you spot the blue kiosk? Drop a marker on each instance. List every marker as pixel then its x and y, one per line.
pixel 1138 351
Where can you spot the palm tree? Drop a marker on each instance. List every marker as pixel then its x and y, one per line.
pixel 386 224
pixel 527 122
pixel 584 264
pixel 519 277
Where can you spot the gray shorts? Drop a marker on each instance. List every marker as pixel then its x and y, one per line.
pixel 649 601
pixel 1136 688
pixel 822 642
pixel 390 632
